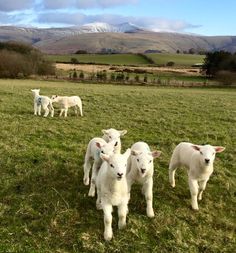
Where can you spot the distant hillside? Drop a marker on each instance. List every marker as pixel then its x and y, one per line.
pixel 123 38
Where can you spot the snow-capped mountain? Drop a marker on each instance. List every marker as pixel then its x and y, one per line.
pixel 98 27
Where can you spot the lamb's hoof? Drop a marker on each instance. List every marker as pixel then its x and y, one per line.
pixel 91 193
pixel 99 206
pixel 150 214
pixel 121 225
pixel 195 209
pixel 107 237
pixel 172 185
pixel 86 181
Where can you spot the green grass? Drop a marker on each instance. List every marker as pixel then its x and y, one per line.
pixel 116 59
pixel 184 60
pixel 180 60
pixel 43 203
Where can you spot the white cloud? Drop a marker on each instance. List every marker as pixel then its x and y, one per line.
pixel 150 23
pixel 85 4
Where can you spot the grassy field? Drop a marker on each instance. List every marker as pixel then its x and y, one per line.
pixel 43 203
pixel 115 59
pixel 184 60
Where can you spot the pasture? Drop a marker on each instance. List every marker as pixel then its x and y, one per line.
pixel 180 60
pixel 44 205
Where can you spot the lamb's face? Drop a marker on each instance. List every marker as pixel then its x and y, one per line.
pixel 144 160
pixel 144 163
pixel 106 149
pixel 54 98
pixel 113 134
pixel 117 164
pixel 207 153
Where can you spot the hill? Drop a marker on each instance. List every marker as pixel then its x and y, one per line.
pixel 95 38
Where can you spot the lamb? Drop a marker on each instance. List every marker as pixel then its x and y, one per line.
pixel 114 135
pixel 95 147
pixel 112 190
pixel 67 102
pixel 199 161
pixel 42 101
pixel 140 169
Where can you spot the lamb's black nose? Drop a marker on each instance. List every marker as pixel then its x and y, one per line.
pixel 143 171
pixel 207 160
pixel 120 174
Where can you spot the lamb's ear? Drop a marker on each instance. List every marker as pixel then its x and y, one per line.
pixel 104 131
pixel 219 149
pixel 98 144
pixel 122 132
pixel 127 152
pixel 155 153
pixel 135 152
pixel 196 147
pixel 104 157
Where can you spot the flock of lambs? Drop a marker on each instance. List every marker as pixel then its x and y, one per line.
pixel 113 173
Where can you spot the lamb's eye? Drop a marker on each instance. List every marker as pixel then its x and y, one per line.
pixel 137 160
pixel 213 153
pixel 112 165
pixel 110 137
pixel 102 152
pixel 201 153
pixel 116 143
pixel 150 161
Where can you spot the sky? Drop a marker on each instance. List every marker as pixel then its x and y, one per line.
pixel 205 17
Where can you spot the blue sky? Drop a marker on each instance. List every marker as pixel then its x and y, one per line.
pixel 206 17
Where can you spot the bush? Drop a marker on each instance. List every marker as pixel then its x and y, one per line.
pixel 74 60
pixel 170 64
pixel 20 60
pixel 226 77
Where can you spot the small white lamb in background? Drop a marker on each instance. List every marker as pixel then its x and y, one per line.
pixel 95 147
pixel 199 161
pixel 42 101
pixel 66 102
pixel 140 169
pixel 114 135
pixel 112 190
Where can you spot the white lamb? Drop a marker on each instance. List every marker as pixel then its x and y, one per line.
pixel 114 135
pixel 95 147
pixel 140 169
pixel 42 101
pixel 199 161
pixel 112 190
pixel 67 102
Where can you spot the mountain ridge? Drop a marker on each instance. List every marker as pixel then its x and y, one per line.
pixel 122 38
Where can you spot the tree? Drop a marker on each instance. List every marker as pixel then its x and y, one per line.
pixel 74 60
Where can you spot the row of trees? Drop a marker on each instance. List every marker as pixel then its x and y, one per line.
pixel 20 60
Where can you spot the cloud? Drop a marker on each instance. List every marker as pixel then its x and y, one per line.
pixel 149 23
pixel 85 4
pixel 12 5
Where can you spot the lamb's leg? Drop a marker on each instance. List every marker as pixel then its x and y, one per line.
pixel 98 202
pixel 39 109
pixel 122 213
pixel 35 108
pixel 87 166
pixel 172 168
pixel 51 109
pixel 62 110
pixel 107 210
pixel 80 109
pixel 92 189
pixel 147 190
pixel 46 111
pixel 202 187
pixel 66 110
pixel 193 185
